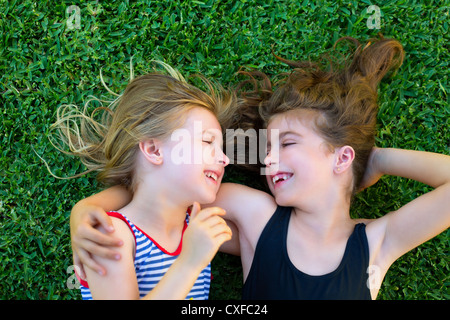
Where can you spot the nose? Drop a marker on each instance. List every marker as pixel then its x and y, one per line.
pixel 223 159
pixel 269 159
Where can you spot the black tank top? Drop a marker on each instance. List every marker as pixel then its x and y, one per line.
pixel 272 275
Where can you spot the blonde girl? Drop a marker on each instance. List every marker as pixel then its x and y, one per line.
pixel 166 251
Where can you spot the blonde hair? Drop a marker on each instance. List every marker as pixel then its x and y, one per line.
pixel 152 106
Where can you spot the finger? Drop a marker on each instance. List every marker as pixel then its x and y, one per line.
pixel 97 236
pixel 101 251
pixel 103 219
pixel 77 262
pixel 220 229
pixel 208 212
pixel 212 221
pixel 222 237
pixel 89 262
pixel 195 209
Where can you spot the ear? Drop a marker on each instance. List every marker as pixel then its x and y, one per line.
pixel 344 159
pixel 151 149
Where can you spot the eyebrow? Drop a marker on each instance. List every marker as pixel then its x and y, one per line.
pixel 285 133
pixel 211 132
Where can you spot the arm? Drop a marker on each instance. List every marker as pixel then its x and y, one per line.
pixel 205 233
pixel 90 213
pixel 120 281
pixel 89 240
pixel 245 206
pixel 422 218
pixel 240 202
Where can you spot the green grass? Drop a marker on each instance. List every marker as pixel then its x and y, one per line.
pixel 43 64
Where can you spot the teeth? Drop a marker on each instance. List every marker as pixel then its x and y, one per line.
pixel 211 175
pixel 279 177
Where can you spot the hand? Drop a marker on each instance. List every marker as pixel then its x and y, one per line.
pixel 206 232
pixel 372 173
pixel 90 229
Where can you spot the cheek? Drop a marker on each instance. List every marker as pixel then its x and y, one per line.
pixel 269 182
pixel 208 154
pixel 192 171
pixel 290 156
pixel 183 171
pixel 303 166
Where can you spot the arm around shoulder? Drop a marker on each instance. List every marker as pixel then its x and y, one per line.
pixel 86 216
pixel 92 210
pixel 121 280
pixel 242 203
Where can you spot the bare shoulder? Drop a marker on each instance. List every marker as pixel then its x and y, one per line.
pixel 375 231
pixel 119 282
pixel 240 191
pixel 250 210
pixel 242 203
pixel 375 228
pixel 122 231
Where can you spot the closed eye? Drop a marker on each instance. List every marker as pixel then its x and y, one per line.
pixel 287 144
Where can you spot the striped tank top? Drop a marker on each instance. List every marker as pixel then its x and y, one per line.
pixel 152 261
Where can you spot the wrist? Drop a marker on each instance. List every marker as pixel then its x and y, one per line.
pixel 378 160
pixel 189 265
pixel 190 261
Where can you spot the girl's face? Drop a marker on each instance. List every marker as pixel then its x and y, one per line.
pixel 299 164
pixel 194 158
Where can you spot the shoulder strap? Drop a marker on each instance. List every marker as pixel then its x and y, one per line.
pixel 119 216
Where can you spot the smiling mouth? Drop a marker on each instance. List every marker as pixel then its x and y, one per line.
pixel 280 177
pixel 212 175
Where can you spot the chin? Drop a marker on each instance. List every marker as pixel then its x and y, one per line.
pixel 283 201
pixel 207 198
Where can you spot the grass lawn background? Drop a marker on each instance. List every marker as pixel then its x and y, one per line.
pixel 47 59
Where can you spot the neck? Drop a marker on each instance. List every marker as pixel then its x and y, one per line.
pixel 154 205
pixel 325 218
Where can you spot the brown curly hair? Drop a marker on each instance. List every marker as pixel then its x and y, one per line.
pixel 343 96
